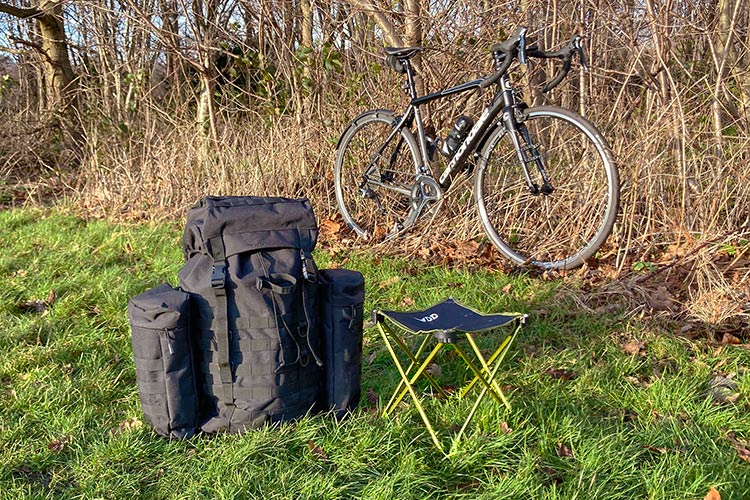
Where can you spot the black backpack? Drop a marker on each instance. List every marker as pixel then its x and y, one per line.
pixel 242 342
pixel 250 271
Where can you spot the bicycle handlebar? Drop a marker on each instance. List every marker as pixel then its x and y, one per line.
pixel 515 46
pixel 504 53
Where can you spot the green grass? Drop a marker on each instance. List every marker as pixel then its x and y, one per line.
pixel 589 420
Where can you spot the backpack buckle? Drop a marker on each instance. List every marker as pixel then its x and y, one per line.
pixel 307 273
pixel 218 275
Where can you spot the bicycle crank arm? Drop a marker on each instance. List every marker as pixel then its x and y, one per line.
pixel 424 191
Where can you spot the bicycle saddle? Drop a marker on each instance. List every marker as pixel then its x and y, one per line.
pixel 403 52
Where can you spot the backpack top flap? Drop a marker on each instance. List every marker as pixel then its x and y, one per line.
pixel 247 223
pixel 346 286
pixel 158 308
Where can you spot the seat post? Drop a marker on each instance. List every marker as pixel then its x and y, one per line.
pixel 411 89
pixel 410 78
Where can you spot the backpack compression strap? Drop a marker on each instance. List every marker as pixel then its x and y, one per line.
pixel 310 277
pixel 221 323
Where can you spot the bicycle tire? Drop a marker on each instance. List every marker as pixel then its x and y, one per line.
pixel 561 230
pixel 374 194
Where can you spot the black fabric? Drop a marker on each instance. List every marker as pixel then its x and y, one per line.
pixel 164 360
pixel 342 295
pixel 240 344
pixel 215 248
pixel 249 258
pixel 447 315
pixel 249 223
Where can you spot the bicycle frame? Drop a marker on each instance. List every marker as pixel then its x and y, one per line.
pixel 508 150
pixel 503 103
pixel 427 188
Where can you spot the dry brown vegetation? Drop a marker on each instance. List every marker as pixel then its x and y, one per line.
pixel 173 101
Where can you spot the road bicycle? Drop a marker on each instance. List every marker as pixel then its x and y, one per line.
pixel 545 182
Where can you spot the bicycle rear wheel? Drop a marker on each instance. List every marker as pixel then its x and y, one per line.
pixel 560 230
pixel 374 178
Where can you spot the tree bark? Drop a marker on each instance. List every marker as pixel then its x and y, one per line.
pixel 390 34
pixel 59 77
pixel 307 23
pixel 171 38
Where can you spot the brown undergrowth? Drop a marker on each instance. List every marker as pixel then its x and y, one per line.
pixel 699 289
pixel 32 163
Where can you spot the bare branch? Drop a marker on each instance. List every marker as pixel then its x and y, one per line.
pixel 389 31
pixel 21 13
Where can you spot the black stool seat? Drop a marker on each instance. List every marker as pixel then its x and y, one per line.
pixel 447 316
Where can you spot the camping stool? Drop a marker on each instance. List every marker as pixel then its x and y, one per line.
pixel 447 323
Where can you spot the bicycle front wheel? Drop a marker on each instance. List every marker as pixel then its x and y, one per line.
pixel 564 228
pixel 376 168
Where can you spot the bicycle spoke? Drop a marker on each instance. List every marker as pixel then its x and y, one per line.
pixel 375 202
pixel 559 229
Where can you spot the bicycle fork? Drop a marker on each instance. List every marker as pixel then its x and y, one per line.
pixel 527 153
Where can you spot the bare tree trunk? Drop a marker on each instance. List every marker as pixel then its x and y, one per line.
pixel 59 73
pixel 206 14
pixel 306 35
pixel 307 23
pixel 723 41
pixel 59 78
pixel 171 41
pixel 658 27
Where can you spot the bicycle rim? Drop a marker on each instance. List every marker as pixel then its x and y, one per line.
pixel 373 190
pixel 565 228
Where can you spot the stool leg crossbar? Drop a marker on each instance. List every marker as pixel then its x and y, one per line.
pixel 484 370
pixel 401 390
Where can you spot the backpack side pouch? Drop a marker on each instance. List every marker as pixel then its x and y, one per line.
pixel 341 297
pixel 164 360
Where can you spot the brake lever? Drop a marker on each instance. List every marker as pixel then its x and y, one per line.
pixel 522 47
pixel 581 53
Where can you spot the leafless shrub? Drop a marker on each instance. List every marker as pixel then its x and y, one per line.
pixel 251 98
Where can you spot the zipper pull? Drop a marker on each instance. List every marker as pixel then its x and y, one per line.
pixel 170 345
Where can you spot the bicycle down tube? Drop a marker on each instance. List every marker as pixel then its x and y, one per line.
pixel 404 122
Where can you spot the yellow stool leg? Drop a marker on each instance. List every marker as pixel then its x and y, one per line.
pixel 401 390
pixel 411 391
pixel 498 355
pixel 475 407
pixel 480 358
pixel 482 378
